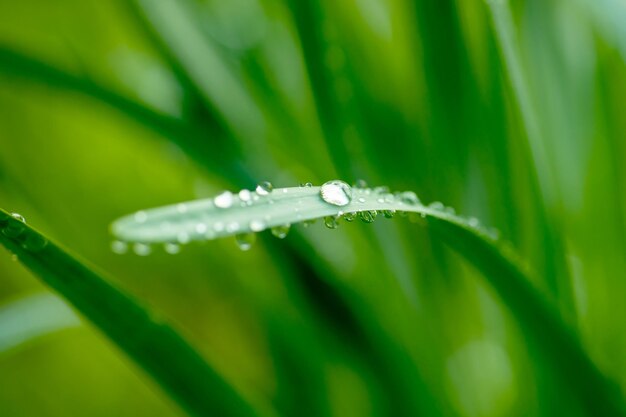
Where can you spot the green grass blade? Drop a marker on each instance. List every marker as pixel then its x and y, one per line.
pixel 246 212
pixel 32 317
pixel 154 346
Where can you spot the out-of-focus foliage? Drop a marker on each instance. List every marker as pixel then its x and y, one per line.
pixel 508 111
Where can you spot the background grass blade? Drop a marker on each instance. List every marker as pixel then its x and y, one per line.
pixel 154 346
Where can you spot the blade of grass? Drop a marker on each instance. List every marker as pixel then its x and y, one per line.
pixel 31 317
pixel 502 268
pixel 199 142
pixel 558 274
pixel 153 345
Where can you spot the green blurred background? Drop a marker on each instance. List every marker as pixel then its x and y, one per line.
pixel 107 107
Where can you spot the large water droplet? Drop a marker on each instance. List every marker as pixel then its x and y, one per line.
pixel 142 249
pixel 119 247
pixel 224 200
pixel 331 222
pixel 257 225
pixel 245 240
pixel 14 229
pixel 264 188
pixel 281 231
pixel 336 192
pixel 367 216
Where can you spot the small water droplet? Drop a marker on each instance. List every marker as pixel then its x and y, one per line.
pixel 224 200
pixel 119 247
pixel 367 216
pixel 19 217
pixel 389 213
pixel 142 249
pixel 172 248
pixel 281 231
pixel 183 238
pixel 257 225
pixel 35 242
pixel 336 192
pixel 380 200
pixel 306 185
pixel 308 223
pixel 232 227
pixel 436 205
pixel 331 222
pixel 361 200
pixel 349 217
pixel 218 226
pixel 245 240
pixel 383 189
pixel 360 184
pixel 264 188
pixel 245 195
pixel 181 208
pixel 201 228
pixel 410 198
pixel 449 210
pixel 141 216
pixel 473 222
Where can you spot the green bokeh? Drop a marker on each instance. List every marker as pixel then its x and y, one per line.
pixel 107 107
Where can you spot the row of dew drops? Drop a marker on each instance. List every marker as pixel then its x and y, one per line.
pixel 337 193
pixel 17 231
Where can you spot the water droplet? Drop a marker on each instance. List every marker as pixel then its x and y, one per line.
pixel 473 222
pixel 171 248
pixel 141 216
pixel 336 192
pixel 361 200
pixel 201 228
pixel 245 195
pixel 224 200
pixel 360 184
pixel 218 227
pixel 449 210
pixel 281 231
pixel 181 208
pixel 264 188
pixel 410 198
pixel 389 213
pixel 306 185
pixel 232 227
pixel 383 189
pixel 18 217
pixel 436 205
pixel 349 217
pixel 367 216
pixel 245 240
pixel 331 222
pixel 35 242
pixel 257 225
pixel 308 223
pixel 14 229
pixel 183 238
pixel 142 249
pixel 119 247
